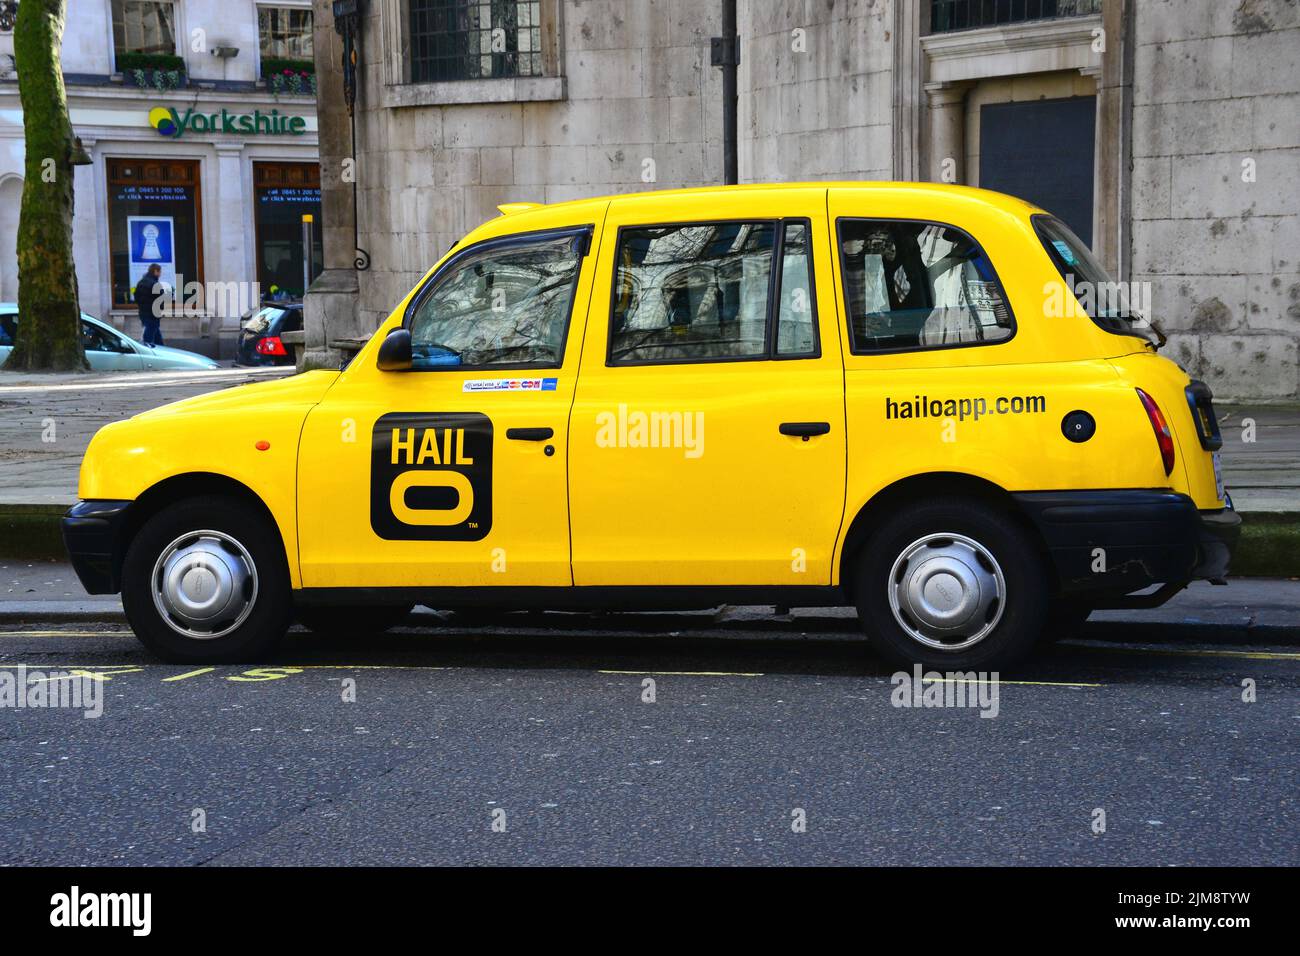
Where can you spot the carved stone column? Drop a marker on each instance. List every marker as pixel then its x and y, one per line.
pixel 330 306
pixel 946 140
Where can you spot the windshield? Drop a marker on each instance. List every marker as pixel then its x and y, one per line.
pixel 1112 305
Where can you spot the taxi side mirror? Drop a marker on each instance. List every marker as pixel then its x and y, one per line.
pixel 395 351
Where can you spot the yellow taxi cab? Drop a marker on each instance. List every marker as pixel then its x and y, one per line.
pixel 912 399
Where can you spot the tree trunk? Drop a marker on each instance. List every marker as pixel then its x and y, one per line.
pixel 49 313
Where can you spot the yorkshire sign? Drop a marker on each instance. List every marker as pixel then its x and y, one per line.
pixel 169 122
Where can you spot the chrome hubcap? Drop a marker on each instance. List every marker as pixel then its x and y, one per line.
pixel 947 591
pixel 204 584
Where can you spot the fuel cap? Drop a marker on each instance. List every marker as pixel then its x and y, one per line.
pixel 1078 426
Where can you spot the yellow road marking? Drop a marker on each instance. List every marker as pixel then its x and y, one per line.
pixel 1022 683
pixel 50 666
pixel 101 674
pixel 1192 652
pixel 258 674
pixel 66 634
pixel 201 670
pixel 682 673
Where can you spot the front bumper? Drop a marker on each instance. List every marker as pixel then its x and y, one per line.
pixel 92 535
pixel 1114 542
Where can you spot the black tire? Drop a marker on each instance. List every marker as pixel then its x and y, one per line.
pixel 1017 618
pixel 343 622
pixel 1064 620
pixel 263 623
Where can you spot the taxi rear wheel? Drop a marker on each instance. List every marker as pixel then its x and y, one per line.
pixel 205 581
pixel 953 584
pixel 352 621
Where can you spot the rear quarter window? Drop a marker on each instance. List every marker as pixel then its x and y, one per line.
pixel 913 285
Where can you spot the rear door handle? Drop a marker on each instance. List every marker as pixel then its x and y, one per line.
pixel 805 430
pixel 529 434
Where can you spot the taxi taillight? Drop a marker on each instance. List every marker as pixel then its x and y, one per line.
pixel 1164 437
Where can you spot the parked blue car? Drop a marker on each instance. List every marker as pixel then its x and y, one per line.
pixel 108 350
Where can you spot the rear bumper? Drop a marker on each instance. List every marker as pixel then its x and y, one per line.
pixel 92 534
pixel 1116 542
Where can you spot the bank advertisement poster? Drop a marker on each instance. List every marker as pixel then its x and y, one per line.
pixel 152 243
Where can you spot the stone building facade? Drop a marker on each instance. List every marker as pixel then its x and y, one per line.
pixel 224 200
pixel 1167 132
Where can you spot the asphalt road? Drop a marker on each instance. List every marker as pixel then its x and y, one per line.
pixel 538 724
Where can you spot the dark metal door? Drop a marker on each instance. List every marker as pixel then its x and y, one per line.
pixel 1043 151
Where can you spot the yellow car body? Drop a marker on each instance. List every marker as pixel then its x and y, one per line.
pixel 698 478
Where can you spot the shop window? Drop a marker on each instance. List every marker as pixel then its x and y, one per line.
pixel 284 33
pixel 475 39
pixel 144 26
pixel 284 193
pixel 154 216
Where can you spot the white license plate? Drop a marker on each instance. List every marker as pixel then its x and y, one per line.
pixel 1218 475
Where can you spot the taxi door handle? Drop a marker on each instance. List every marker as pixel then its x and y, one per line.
pixel 805 430
pixel 529 434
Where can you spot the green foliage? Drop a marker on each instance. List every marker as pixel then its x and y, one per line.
pixel 160 80
pixel 131 62
pixel 278 66
pixel 47 275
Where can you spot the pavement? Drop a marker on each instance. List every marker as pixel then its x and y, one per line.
pixel 47 420
pixel 1261 450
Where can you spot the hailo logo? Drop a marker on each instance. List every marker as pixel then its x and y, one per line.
pixel 431 476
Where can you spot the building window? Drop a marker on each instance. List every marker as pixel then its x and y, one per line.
pixel 285 33
pixel 284 193
pixel 948 15
pixel 474 39
pixel 154 216
pixel 918 285
pixel 144 26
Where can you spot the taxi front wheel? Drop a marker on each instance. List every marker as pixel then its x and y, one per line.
pixel 952 584
pixel 205 581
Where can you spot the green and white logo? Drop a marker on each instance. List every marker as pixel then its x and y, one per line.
pixel 168 121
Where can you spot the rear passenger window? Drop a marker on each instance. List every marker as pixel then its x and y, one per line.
pixel 712 292
pixel 918 285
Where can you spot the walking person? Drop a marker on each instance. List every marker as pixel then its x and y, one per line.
pixel 148 294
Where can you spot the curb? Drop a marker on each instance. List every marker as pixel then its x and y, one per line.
pixel 1269 545
pixel 32 531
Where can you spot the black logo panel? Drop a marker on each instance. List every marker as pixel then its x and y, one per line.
pixel 431 476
